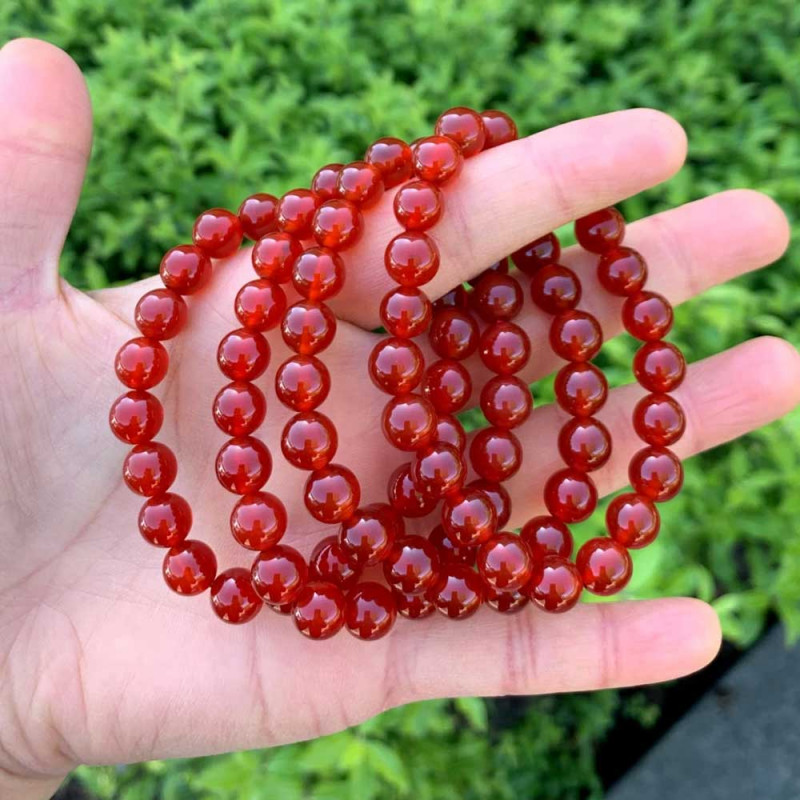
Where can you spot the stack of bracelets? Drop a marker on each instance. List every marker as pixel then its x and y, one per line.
pixel 468 558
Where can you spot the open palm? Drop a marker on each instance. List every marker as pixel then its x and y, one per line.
pixel 99 662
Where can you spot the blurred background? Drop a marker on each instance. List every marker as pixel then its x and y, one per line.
pixel 199 104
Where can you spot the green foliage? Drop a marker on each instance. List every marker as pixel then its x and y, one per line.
pixel 195 104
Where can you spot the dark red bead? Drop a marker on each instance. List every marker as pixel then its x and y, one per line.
pixel 396 365
pixel 414 606
pixel 604 565
pixel 258 521
pixel 411 258
pixel 406 312
pixel 468 518
pixel 318 274
pixel 498 268
pixel 165 520
pixel 260 304
pixel 309 440
pixel 332 494
pixel 274 255
pixel 505 602
pixel 584 444
pixel 450 431
pixel 459 591
pixel 439 469
pixel 504 348
pixel 409 422
pixel 319 610
pixel 571 496
pixel 449 552
pixel 495 454
pixel 536 254
pixel 302 383
pixel 233 597
pixel 497 297
pixel 393 158
pixel 239 408
pixel 418 205
pixel 656 473
pixel 308 327
pixel 659 419
pixel 437 159
pixel 296 211
pixel 141 363
pixel 659 367
pixel 150 469
pixel 453 334
pixel 243 465
pixel 368 535
pixel 217 232
pixel 412 565
pixel 632 520
pixel 324 182
pixel 136 417
pixel 555 289
pixel 506 401
pixel 558 588
pixel 622 271
pixel 447 385
pixel 581 389
pixel 500 128
pixel 190 567
pixel 160 314
pixel 455 298
pixel 498 494
pixel 369 611
pixel 243 355
pixel 279 574
pixel 465 127
pixel 600 231
pixel 504 562
pixel 338 224
pixel 547 536
pixel 185 269
pixel 647 316
pixel 576 336
pixel 329 562
pixel 360 183
pixel 404 496
pixel 258 215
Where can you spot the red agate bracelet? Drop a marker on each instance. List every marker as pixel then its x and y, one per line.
pixel 468 558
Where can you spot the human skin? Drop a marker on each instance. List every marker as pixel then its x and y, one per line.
pixel 100 663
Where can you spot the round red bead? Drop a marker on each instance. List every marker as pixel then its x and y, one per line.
pixel 414 606
pixel 150 469
pixel 604 565
pixel 504 562
pixel 555 289
pixel 497 297
pixel 411 258
pixel 558 588
pixel 506 401
pixel 217 232
pixel 455 298
pixel 243 465
pixel 547 536
pixel 647 316
pixel 258 521
pixel 258 215
pixel 329 562
pixel 318 274
pixel 396 365
pixel 233 597
pixel 575 336
pixel 259 305
pixel 160 314
pixel 332 494
pixel 368 534
pixel 308 327
pixel 536 254
pixel 405 497
pixel 504 348
pixel 659 419
pixel 495 454
pixel 659 367
pixel 622 271
pixel 656 473
pixel 571 496
pixel 498 494
pixel 584 444
pixel 453 334
pixel 468 518
pixel 190 567
pixel 459 591
pixel 600 231
pixel 412 565
pixel 337 224
pixel 165 520
pixel 505 602
pixel 439 469
pixel 243 355
pixel 581 389
pixel 632 520
pixel 296 211
pixel 185 269
pixel 279 574
pixel 393 159
pixel 309 440
pixel 136 417
pixel 465 127
pixel 447 385
pixel 360 183
pixel 418 205
pixel 406 312
pixel 500 128
pixel 324 182
pixel 370 611
pixel 274 255
pixel 409 422
pixel 141 363
pixel 449 552
pixel 319 610
pixel 437 159
pixel 239 408
pixel 302 383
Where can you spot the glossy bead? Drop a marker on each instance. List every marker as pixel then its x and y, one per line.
pixel 405 497
pixel 632 520
pixel 258 215
pixel 584 444
pixel 498 268
pixel 447 385
pixel 504 348
pixel 258 521
pixel 360 183
pixel 308 327
pixel 437 159
pixel 414 606
pixel 409 422
pixel 581 389
pixel 418 205
pixel 459 592
pixel 243 355
pixel 279 574
pixel 296 211
pixel 454 334
pixel 604 565
pixel 217 232
pixel 659 367
pixel 141 363
pixel 455 298
pixel 505 602
pixel 243 465
pixel 504 562
pixel 160 314
pixel 165 520
pixel 332 494
pixel 185 269
pixel 600 231
pixel 622 271
pixel 497 297
pixel 406 312
pixel 659 419
pixel 439 469
pixel 412 565
pixel 396 365
pixel 324 182
pixel 559 587
pixel 656 473
pixel 450 431
pixel 555 289
pixel 506 401
pixel 575 336
pixel 647 316
pixel 319 610
pixel 465 127
pixel 495 454
pixel 239 408
pixel 536 254
pixel 309 440
pixel 368 535
pixel 498 494
pixel 274 255
pixel 411 258
pixel 338 224
pixel 499 127
pixel 150 469
pixel 369 611
pixel 547 536
pixel 190 567
pixel 233 597
pixel 393 159
pixel 318 274
pixel 136 417
pixel 570 495
pixel 449 552
pixel 329 562
pixel 259 305
pixel 468 518
pixel 302 383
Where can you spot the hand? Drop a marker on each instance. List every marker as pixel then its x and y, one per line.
pixel 99 662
